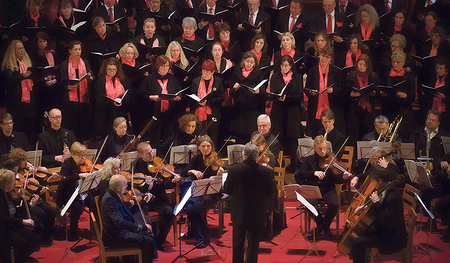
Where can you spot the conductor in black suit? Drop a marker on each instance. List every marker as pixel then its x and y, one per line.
pixel 249 184
pixel 10 139
pixel 295 23
pixel 120 229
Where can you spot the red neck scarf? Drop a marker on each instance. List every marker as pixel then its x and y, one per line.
pixel 192 38
pixel 26 84
pixel 175 60
pixel 258 55
pixel 433 51
pixel 291 53
pixel 129 63
pixel 366 32
pixel 80 94
pixel 114 88
pixel 102 37
pixel 154 44
pixel 394 73
pixel 225 44
pixel 203 112
pixel 61 18
pixel 49 57
pixel 397 29
pixel 438 103
pixel 348 57
pixel 35 18
pixel 429 29
pixel 363 80
pixel 164 103
pixel 323 97
pixel 245 72
pixel 287 77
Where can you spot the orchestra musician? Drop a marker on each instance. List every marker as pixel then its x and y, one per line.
pixel 71 170
pixel 266 157
pixel 443 204
pixel 196 206
pixel 160 201
pixel 120 228
pixel 248 183
pixel 117 141
pixel 311 173
pixel 14 231
pixel 110 167
pixel 381 124
pixel 387 232
pixel 187 125
pixel 333 135
pixel 10 139
pixel 265 128
pixel 56 141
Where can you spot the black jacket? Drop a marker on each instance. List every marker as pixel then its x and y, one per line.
pixel 52 144
pixel 300 30
pixel 114 146
pixel 16 140
pixel 245 36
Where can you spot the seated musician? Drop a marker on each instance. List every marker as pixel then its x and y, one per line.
pixel 117 141
pixel 71 170
pixel 13 230
pixel 381 124
pixel 377 157
pixel 10 139
pixel 160 201
pixel 329 132
pixel 311 173
pixel 42 213
pixel 110 167
pixel 120 228
pixel 387 232
pixel 55 141
pixel 443 204
pixel 199 168
pixel 264 128
pixel 267 159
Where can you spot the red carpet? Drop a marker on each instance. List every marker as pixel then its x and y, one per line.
pixel 276 250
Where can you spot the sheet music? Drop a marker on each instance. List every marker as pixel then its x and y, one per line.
pixel 423 205
pixel 183 201
pixel 224 178
pixel 69 203
pixel 310 207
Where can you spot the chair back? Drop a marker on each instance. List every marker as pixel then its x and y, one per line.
pixel 280 159
pixel 235 153
pixel 409 199
pixel 280 173
pixel 347 157
pixel 97 232
pixel 31 155
pixel 97 204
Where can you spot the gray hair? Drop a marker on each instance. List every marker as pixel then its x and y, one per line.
pixel 374 18
pixel 401 39
pixel 6 177
pixel 250 152
pixel 264 116
pixel 118 121
pixel 107 167
pixel 398 55
pixel 190 22
pixel 381 119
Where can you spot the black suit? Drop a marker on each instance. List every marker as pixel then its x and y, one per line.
pixel 388 231
pixel 15 140
pixel 205 9
pixel 380 6
pixel 318 24
pixel 120 229
pixel 350 9
pixel 300 30
pixel 52 143
pixel 248 183
pixel 118 12
pixel 245 36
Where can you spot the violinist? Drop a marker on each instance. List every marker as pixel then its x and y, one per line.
pixel 387 232
pixel 14 231
pixel 199 168
pixel 55 141
pixel 110 167
pixel 160 201
pixel 265 158
pixel 311 173
pixel 10 139
pixel 70 169
pixel 117 141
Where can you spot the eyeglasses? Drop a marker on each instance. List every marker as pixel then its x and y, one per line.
pixel 56 117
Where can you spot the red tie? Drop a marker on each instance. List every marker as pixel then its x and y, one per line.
pixel 211 27
pixel 189 3
pixel 250 20
pixel 342 9
pixel 274 2
pixel 330 25
pixel 388 8
pixel 292 23
pixel 429 3
pixel 111 15
pixel 231 2
pixel 76 3
pixel 148 3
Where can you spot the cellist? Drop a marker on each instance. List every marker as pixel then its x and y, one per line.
pixel 311 173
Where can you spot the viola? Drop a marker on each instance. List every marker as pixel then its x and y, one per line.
pixel 129 195
pixel 86 167
pixel 166 170
pixel 330 162
pixel 212 160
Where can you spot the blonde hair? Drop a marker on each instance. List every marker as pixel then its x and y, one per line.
pixel 379 151
pixel 77 149
pixel 319 140
pixel 287 34
pixel 107 167
pixel 123 50
pixel 6 177
pixel 184 62
pixel 10 60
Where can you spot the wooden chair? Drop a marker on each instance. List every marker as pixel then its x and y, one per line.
pixel 279 176
pixel 105 252
pixel 11 253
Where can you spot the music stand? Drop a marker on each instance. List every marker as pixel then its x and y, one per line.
pixel 425 251
pixel 407 151
pixel 92 181
pixel 306 147
pixel 198 188
pixel 363 148
pixel 182 154
pixel 446 144
pixel 234 153
pixel 63 212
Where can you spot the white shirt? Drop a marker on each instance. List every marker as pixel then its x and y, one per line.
pixel 333 19
pixel 112 9
pixel 292 20
pixel 432 2
pixel 255 14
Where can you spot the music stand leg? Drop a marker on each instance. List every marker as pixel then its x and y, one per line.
pixel 180 255
pixel 313 247
pixel 68 249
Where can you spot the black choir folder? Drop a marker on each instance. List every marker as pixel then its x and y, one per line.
pixel 255 88
pixel 364 91
pixel 217 17
pixel 172 96
pixel 119 99
pixel 279 94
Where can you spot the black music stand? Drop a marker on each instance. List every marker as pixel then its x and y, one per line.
pixel 63 212
pixel 198 188
pixel 426 250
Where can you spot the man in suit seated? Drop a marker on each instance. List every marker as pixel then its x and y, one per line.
pixel 10 139
pixel 120 228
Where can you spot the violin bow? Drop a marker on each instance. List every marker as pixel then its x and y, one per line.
pixel 35 159
pixel 221 148
pixel 98 155
pixel 165 156
pixel 135 196
pixel 268 146
pixel 334 159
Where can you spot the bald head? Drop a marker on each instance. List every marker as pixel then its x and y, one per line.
pixel 118 184
pixel 55 117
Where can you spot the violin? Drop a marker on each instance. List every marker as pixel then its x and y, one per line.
pixel 139 178
pixel 264 160
pixel 129 195
pixel 330 162
pixel 31 183
pixel 87 166
pixel 212 160
pixel 166 170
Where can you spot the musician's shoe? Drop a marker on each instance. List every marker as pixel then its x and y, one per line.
pixel 47 243
pixel 446 235
pixel 186 236
pixel 310 234
pixel 73 237
pixel 202 244
pixel 425 226
pixel 162 247
pixel 328 234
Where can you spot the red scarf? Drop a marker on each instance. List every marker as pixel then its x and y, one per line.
pixel 129 63
pixel 291 53
pixel 366 32
pixel 114 89
pixel 258 55
pixel 82 86
pixel 429 29
pixel 26 84
pixel 64 23
pixel 192 38
pixel 164 103
pixel 433 51
pixel 203 112
pixel 287 77
pixel 103 37
pixel 245 73
pixel 394 73
pixel 437 103
pixel 49 57
pixel 225 44
pixel 323 97
pixel 348 57
pixel 154 44
pixel 363 80
pixel 175 60
pixel 397 29
pixel 35 18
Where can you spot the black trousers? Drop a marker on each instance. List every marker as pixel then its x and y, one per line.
pixel 324 221
pixel 24 242
pixel 196 211
pixel 428 194
pixel 46 215
pixel 443 209
pixel 240 231
pixel 369 240
pixel 166 212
